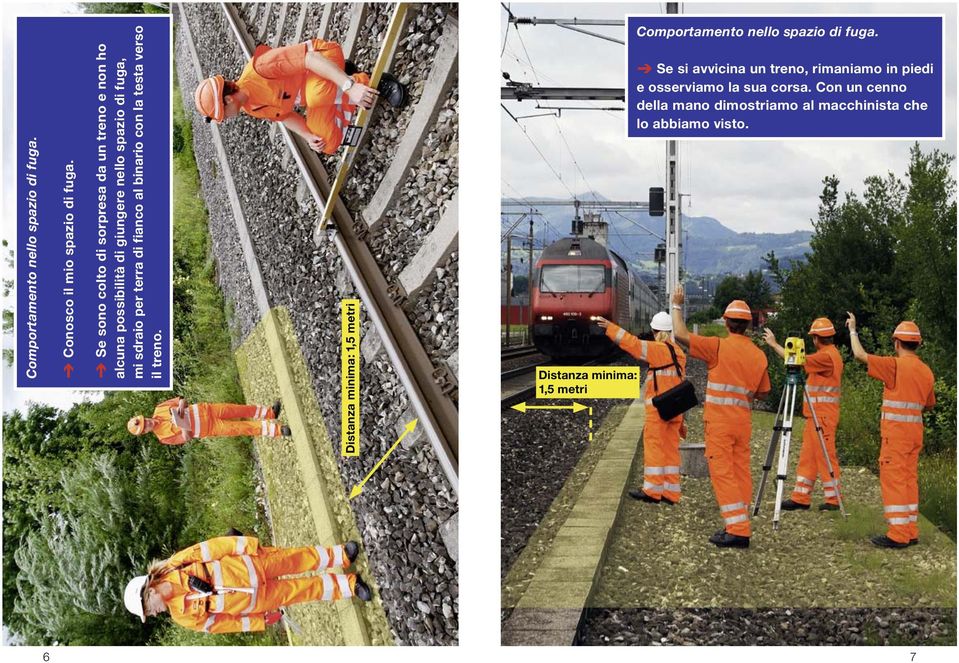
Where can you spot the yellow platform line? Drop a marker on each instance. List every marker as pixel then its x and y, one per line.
pixel 323 493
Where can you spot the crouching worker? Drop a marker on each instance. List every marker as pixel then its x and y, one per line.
pixel 176 422
pixel 232 584
pixel 660 438
pixel 312 75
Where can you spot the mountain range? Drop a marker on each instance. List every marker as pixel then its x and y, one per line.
pixel 710 247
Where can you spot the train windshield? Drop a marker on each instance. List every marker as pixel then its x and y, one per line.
pixel 572 278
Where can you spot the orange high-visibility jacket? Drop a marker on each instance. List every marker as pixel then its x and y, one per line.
pixel 908 389
pixel 657 356
pixel 228 562
pixel 737 372
pixel 824 368
pixel 165 429
pixel 273 79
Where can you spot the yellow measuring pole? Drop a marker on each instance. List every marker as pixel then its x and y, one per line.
pixel 349 153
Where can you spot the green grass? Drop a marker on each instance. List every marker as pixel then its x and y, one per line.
pixel 216 479
pixel 712 329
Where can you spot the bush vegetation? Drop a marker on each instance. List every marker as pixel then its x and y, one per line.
pixel 87 506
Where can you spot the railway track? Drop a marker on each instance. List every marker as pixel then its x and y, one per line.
pixel 261 172
pixel 430 388
pixel 515 353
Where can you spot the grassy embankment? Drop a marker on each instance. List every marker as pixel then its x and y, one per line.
pixel 217 478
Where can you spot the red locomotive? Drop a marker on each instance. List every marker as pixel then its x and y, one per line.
pixel 577 280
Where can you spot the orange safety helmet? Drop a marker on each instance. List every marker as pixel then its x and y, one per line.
pixel 137 425
pixel 822 327
pixel 209 98
pixel 738 310
pixel 908 331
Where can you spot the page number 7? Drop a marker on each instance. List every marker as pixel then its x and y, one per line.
pixel 912 656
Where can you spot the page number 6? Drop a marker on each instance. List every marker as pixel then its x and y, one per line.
pixel 46 657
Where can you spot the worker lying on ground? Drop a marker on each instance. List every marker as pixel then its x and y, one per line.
pixel 232 584
pixel 660 438
pixel 824 368
pixel 737 375
pixel 175 422
pixel 312 75
pixel 908 389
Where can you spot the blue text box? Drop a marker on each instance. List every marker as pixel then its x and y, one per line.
pixel 94 288
pixel 822 67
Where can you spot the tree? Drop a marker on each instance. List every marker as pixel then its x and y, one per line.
pixel 75 565
pixel 752 288
pixel 927 254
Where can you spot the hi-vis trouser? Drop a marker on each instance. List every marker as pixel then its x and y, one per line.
pixel 241 601
pixel 727 452
pixel 218 420
pixel 661 458
pixel 899 484
pixel 328 110
pixel 279 592
pixel 812 464
pixel 661 449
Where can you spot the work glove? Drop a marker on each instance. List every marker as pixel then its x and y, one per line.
pixel 272 618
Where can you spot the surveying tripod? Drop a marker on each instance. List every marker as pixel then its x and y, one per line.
pixel 782 430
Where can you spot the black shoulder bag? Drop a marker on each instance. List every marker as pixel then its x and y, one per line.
pixel 677 400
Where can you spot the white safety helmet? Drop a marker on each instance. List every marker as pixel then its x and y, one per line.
pixel 662 321
pixel 133 596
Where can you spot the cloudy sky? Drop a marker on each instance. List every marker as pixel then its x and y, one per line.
pixel 770 186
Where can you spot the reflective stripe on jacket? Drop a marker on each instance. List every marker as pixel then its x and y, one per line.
pixel 230 564
pixel 823 384
pixel 909 388
pixel 737 372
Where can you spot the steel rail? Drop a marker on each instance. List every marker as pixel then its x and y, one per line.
pixel 429 390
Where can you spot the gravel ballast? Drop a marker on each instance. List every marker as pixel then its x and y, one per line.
pixel 403 507
pixel 739 626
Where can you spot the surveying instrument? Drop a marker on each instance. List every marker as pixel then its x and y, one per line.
pixel 794 356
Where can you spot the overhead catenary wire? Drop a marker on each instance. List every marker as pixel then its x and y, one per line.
pixel 538 151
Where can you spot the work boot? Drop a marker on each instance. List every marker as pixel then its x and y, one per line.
pixel 285 430
pixel 914 542
pixel 728 540
pixel 789 505
pixel 392 90
pixel 666 500
pixel 717 536
pixel 350 68
pixel 277 406
pixel 362 590
pixel 884 541
pixel 642 496
pixel 826 506
pixel 352 549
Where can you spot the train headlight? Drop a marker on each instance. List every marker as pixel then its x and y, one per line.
pixel 593 318
pixel 546 317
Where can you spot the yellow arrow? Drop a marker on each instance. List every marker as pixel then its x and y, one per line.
pixel 358 488
pixel 575 407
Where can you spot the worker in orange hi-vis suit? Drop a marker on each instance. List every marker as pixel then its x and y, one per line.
pixel 908 390
pixel 824 368
pixel 737 375
pixel 660 438
pixel 176 422
pixel 313 75
pixel 232 584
